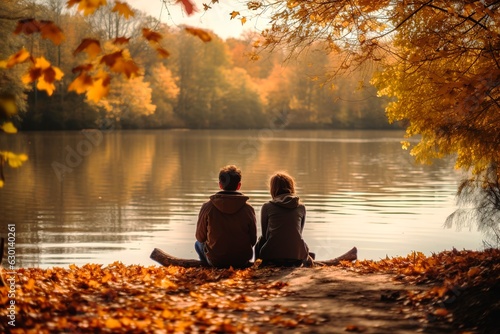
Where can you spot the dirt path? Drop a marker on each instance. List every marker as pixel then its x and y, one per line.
pixel 337 301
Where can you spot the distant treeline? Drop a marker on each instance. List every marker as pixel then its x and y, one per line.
pixel 199 86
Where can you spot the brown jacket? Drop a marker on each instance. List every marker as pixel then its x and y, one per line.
pixel 228 227
pixel 283 220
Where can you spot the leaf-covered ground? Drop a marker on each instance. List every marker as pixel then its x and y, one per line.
pixel 457 291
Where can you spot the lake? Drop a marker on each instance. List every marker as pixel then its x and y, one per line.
pixel 99 197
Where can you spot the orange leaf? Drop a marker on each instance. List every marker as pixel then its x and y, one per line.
pixel 151 36
pixel 20 57
pixel 189 7
pixel 441 312
pixel 30 285
pixel 200 33
pixel 162 52
pixel 123 9
pixel 234 14
pixel 51 31
pixel 118 64
pixel 27 26
pixel 113 323
pixel 89 45
pixel 81 84
pixel 86 6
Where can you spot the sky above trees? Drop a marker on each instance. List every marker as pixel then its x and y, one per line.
pixel 217 19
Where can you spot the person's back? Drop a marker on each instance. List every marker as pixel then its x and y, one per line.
pixel 226 230
pixel 282 221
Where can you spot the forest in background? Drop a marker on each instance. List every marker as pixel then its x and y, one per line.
pixel 199 85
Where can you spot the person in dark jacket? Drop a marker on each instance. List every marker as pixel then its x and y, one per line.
pixel 282 221
pixel 226 230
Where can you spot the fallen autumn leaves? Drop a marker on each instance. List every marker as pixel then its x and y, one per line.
pixel 457 288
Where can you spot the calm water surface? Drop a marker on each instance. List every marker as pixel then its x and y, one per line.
pixel 100 197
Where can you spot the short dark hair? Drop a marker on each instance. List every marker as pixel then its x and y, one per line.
pixel 230 177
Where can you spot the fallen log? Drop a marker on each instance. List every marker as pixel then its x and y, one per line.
pixel 351 255
pixel 166 259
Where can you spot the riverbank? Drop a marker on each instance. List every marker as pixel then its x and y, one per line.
pixel 453 291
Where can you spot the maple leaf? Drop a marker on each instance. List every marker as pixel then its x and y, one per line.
pixel 81 84
pixel 48 29
pixel 119 64
pixel 162 52
pixel 151 36
pixel 189 7
pixel 123 9
pixel 91 46
pixel 100 87
pixel 15 160
pixel 200 33
pixel 20 57
pixel 45 73
pixel 234 14
pixel 27 26
pixel 243 20
pixel 86 6
pixel 51 31
pixel 8 127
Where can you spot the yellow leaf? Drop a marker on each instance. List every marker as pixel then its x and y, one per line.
pixel 100 87
pixel 8 127
pixel 8 106
pixel 243 20
pixel 81 84
pixel 16 160
pixel 1 183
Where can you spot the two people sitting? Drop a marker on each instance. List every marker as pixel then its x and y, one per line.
pixel 226 231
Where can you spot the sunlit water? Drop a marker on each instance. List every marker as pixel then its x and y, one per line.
pixel 110 196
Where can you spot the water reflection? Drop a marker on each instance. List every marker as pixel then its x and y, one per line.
pixel 79 200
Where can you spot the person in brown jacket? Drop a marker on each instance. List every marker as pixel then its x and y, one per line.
pixel 227 229
pixel 282 221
